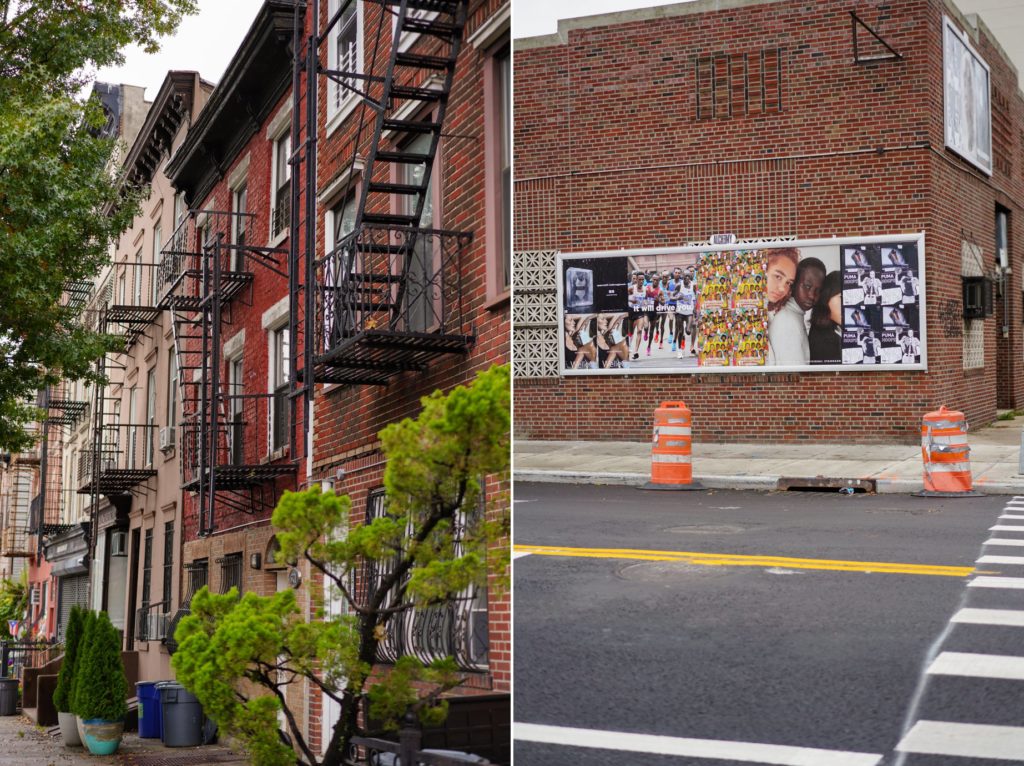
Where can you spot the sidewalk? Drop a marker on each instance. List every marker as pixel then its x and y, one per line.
pixel 22 743
pixel 897 468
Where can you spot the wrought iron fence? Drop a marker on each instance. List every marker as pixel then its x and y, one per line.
pixel 15 656
pixel 390 278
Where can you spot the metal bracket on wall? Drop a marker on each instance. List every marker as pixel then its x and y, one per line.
pixel 893 55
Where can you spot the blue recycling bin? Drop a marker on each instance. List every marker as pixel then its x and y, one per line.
pixel 150 713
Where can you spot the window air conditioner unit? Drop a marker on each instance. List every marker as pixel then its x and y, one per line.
pixel 977 295
pixel 35 597
pixel 167 436
pixel 156 626
pixel 119 543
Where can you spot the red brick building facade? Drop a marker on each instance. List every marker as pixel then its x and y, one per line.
pixel 771 119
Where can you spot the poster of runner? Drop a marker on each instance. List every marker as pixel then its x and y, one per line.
pixel 837 304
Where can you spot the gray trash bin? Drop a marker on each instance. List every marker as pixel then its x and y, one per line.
pixel 8 696
pixel 182 716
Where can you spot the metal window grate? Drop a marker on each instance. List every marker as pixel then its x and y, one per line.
pixel 230 572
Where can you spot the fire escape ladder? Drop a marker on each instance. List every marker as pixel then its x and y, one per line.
pixel 389 296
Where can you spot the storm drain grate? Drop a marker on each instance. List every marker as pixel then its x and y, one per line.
pixel 181 759
pixel 823 484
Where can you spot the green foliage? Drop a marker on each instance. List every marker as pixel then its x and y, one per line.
pixel 100 685
pixel 13 602
pixel 72 653
pixel 238 656
pixel 60 206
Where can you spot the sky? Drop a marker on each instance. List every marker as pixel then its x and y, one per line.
pixel 540 17
pixel 204 43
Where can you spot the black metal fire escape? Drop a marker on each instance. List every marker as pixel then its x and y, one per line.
pixel 206 267
pixel 388 297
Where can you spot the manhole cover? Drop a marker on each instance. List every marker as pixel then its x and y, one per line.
pixel 668 571
pixel 709 529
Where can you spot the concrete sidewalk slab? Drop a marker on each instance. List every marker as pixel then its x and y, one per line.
pixel 895 468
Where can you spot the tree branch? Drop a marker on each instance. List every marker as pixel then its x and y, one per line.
pixel 292 723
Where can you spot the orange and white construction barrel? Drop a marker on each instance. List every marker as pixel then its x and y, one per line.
pixel 672 448
pixel 946 455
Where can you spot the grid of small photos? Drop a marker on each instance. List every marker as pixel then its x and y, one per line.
pixel 881 304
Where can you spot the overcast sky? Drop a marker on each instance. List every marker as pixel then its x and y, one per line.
pixel 540 17
pixel 204 43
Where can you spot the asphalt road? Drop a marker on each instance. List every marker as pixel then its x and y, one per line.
pixel 816 652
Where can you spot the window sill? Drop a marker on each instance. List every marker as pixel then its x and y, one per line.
pixel 499 301
pixel 277 454
pixel 335 121
pixel 281 237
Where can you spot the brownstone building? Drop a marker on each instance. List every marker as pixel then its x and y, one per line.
pixel 773 121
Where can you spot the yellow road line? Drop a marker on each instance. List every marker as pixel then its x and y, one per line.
pixel 735 560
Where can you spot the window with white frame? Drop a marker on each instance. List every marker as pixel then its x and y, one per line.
pixel 139 278
pixel 236 437
pixel 406 38
pixel 150 431
pixel 281 190
pixel 157 258
pixel 239 225
pixel 341 221
pixel 280 347
pixel 133 431
pixel 172 388
pixel 345 54
pixel 503 66
pixel 419 307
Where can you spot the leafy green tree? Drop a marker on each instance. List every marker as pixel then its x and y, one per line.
pixel 239 656
pixel 13 602
pixel 101 687
pixel 60 206
pixel 72 649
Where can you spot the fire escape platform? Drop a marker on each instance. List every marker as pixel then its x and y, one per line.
pixel 372 357
pixel 231 284
pixel 233 477
pixel 130 322
pixel 117 481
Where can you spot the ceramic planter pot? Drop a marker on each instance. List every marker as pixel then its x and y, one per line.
pixel 102 737
pixel 69 729
pixel 80 728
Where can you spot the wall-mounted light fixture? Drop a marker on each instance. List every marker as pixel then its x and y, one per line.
pixel 255 560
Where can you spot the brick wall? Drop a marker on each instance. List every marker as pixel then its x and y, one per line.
pixel 612 152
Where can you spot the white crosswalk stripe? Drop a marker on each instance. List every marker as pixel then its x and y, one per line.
pixel 1006 617
pixel 968 740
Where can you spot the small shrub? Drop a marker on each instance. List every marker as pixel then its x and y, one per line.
pixel 72 646
pixel 101 688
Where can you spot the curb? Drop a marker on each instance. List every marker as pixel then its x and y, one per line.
pixel 761 483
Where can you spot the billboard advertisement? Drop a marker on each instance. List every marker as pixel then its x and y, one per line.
pixel 836 304
pixel 968 116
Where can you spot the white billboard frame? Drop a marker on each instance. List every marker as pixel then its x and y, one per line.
pixel 950 83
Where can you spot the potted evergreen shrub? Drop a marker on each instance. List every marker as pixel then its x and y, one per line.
pixel 65 678
pixel 101 689
pixel 88 623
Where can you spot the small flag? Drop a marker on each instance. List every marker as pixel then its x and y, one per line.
pixel 12 626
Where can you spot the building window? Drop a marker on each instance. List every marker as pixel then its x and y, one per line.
pixel 338 321
pixel 231 572
pixel 419 306
pixel 147 572
pixel 344 51
pixel 198 573
pixel 282 186
pixel 236 435
pixel 457 628
pixel 139 278
pixel 1002 237
pixel 239 226
pixel 150 430
pixel 498 170
pixel 133 431
pixel 172 388
pixel 168 563
pixel 280 361
pixel 157 258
